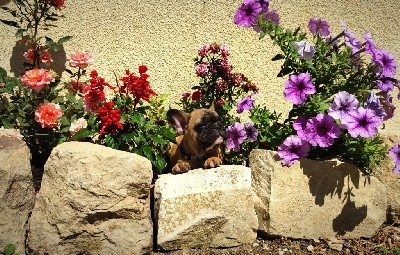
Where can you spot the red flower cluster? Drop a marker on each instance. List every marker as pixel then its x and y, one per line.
pixel 109 118
pixel 137 86
pixel 94 93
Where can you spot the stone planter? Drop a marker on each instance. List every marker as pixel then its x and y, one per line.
pixel 315 199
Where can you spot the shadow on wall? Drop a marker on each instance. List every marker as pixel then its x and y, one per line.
pixel 324 181
pixel 327 178
pixel 4 2
pixel 17 60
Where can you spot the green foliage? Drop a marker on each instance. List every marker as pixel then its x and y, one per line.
pixel 9 249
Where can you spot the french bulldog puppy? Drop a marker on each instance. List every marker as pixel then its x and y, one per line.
pixel 198 145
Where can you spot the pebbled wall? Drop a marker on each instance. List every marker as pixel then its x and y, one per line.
pixel 165 36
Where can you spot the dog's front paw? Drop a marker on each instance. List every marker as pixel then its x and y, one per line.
pixel 212 162
pixel 181 167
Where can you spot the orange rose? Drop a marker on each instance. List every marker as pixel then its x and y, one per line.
pixel 36 79
pixel 47 115
pixel 80 59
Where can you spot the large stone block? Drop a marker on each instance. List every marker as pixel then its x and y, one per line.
pixel 94 200
pixel 315 199
pixel 17 194
pixel 205 208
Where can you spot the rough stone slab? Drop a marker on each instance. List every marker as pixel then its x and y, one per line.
pixel 391 182
pixel 205 208
pixel 93 200
pixel 311 198
pixel 17 194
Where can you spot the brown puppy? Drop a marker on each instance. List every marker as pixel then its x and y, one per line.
pixel 201 133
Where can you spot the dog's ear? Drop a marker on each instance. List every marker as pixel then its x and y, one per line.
pixel 212 107
pixel 178 120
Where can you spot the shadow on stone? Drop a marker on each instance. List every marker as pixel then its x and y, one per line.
pixel 17 60
pixel 327 177
pixel 349 218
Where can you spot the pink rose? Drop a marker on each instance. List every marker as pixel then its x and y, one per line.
pixel 185 94
pixel 45 58
pixel 196 95
pixel 47 115
pixel 36 79
pixel 80 59
pixel 77 125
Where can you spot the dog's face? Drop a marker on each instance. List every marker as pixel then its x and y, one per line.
pixel 203 129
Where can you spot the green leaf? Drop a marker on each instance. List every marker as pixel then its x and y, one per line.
pixel 70 98
pixel 9 249
pixel 64 39
pixel 278 57
pixel 3 74
pixel 20 32
pixel 147 151
pixel 64 121
pixel 262 35
pixel 82 133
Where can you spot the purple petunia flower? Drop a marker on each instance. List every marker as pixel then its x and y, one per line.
pixel 305 49
pixel 264 4
pixel 362 122
pixel 319 26
pixel 322 130
pixel 236 135
pixel 246 104
pixel 385 85
pixel 251 131
pixel 394 153
pixel 247 13
pixel 300 125
pixel 370 46
pixel 292 149
pixel 374 104
pixel 388 107
pixel 386 63
pixel 270 15
pixel 298 87
pixel 350 39
pixel 342 104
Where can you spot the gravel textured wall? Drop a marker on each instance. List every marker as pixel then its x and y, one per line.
pixel 165 35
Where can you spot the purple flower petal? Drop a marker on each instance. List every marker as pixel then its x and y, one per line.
pixel 247 13
pixel 236 135
pixel 319 26
pixel 298 87
pixel 322 130
pixel 362 122
pixel 305 49
pixel 292 149
pixel 342 104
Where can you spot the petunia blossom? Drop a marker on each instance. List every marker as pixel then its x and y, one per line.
pixel 80 59
pixel 245 104
pixel 48 114
pixel 385 85
pixel 370 47
pixel 251 131
pixel 298 87
pixel 350 39
pixel 362 122
pixel 235 136
pixel 319 26
pixel 386 63
pixel 373 103
pixel 394 153
pixel 37 79
pixel 270 15
pixel 305 49
pixel 388 106
pixel 300 125
pixel 343 103
pixel 322 130
pixel 246 14
pixel 293 149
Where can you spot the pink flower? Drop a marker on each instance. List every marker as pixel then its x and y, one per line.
pixel 201 70
pixel 220 102
pixel 77 125
pixel 45 57
pixel 185 95
pixel 203 50
pixel 80 59
pixel 36 79
pixel 47 115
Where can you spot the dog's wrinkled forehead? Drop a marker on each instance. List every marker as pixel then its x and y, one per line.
pixel 203 117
